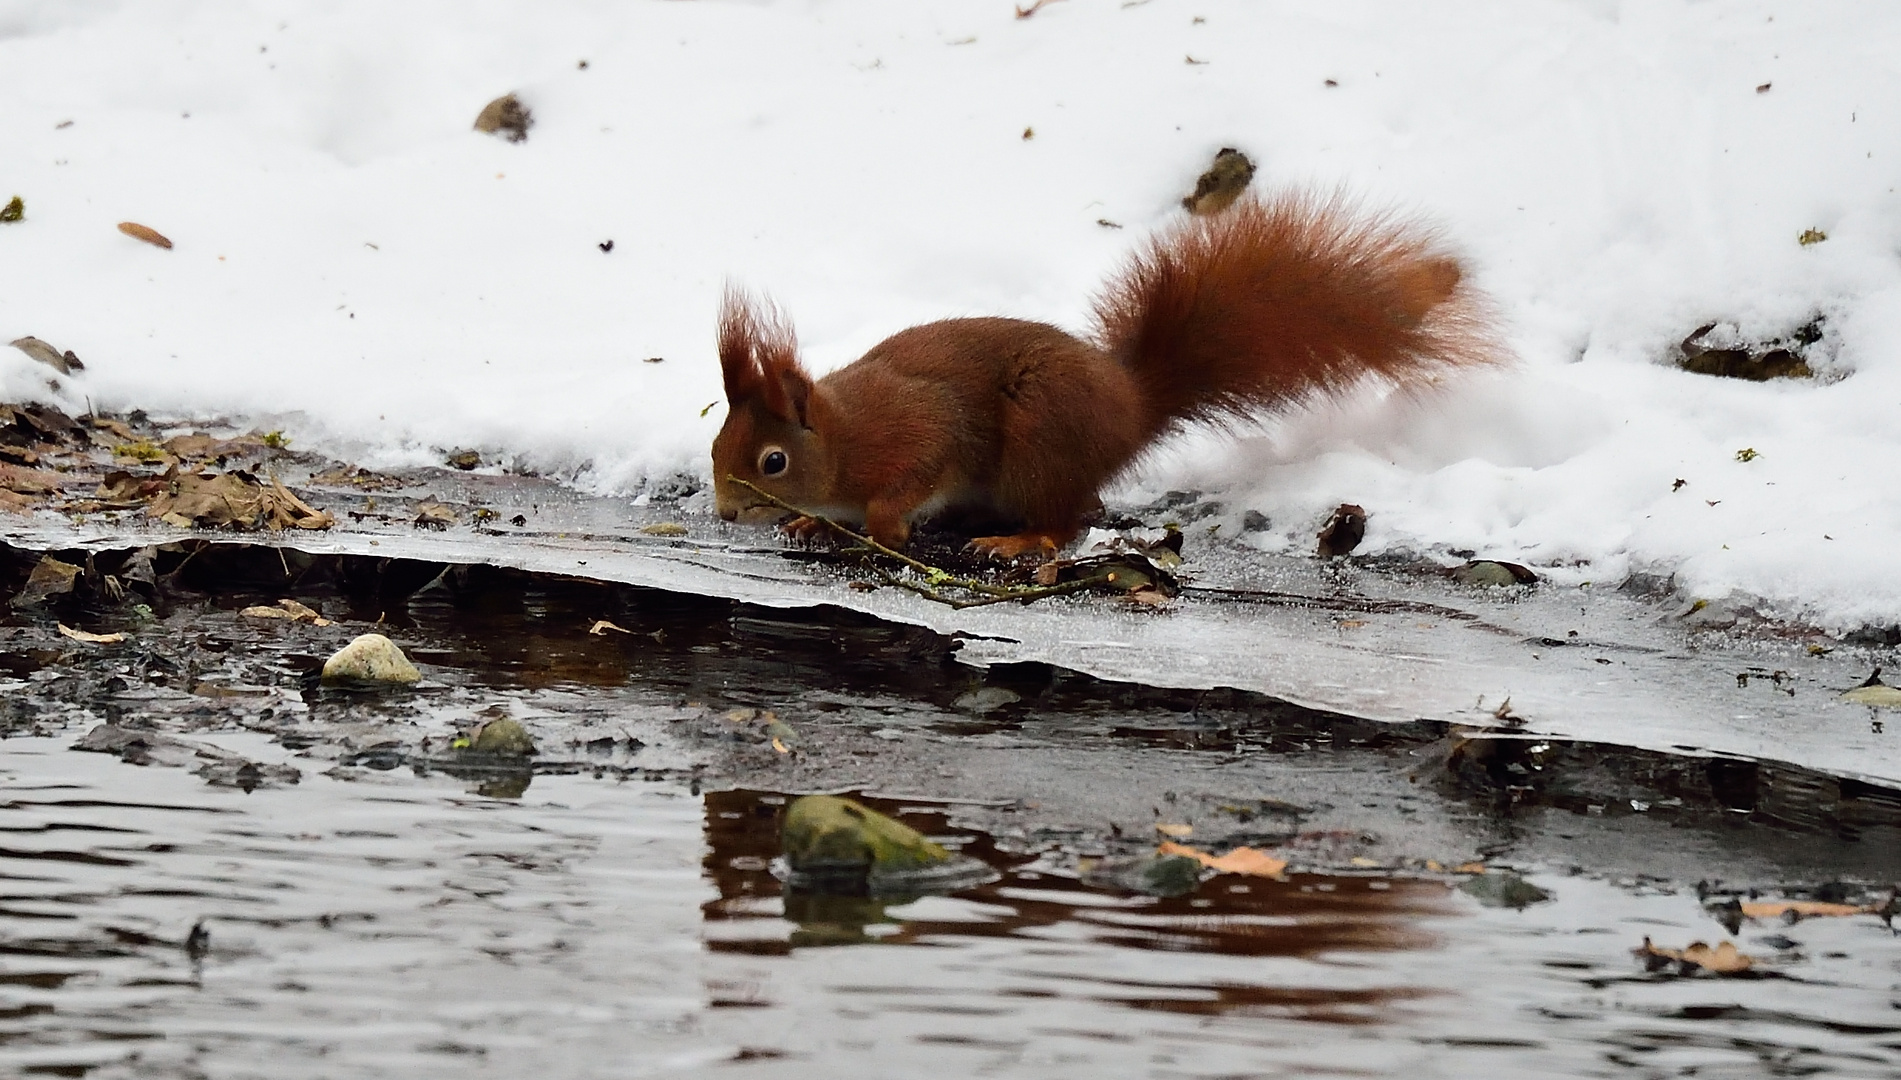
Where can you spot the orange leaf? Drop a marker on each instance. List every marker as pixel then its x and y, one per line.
pixel 141 232
pixel 1775 909
pixel 1242 860
pixel 1724 959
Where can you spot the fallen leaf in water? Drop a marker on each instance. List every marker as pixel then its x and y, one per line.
pixel 1724 959
pixel 287 609
pixel 1776 909
pixel 90 639
pixel 140 232
pixel 1242 860
pixel 602 626
pixel 50 577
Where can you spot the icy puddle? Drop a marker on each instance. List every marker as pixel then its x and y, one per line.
pixel 266 879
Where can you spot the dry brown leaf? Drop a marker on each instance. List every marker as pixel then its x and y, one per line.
pixel 63 362
pixel 140 232
pixel 90 639
pixel 1242 860
pixel 1775 909
pixel 780 746
pixel 287 609
pixel 235 500
pixel 24 481
pixel 602 626
pixel 1724 959
pixel 199 447
pixel 431 514
pixel 664 528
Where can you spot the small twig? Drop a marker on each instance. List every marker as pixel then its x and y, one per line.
pixel 934 577
pixel 1002 595
pixel 1036 6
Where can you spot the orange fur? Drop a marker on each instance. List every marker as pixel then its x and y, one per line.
pixel 1215 319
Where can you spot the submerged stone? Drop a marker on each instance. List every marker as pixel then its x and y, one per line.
pixel 370 660
pixel 1504 889
pixel 1154 875
pixel 830 835
pixel 503 737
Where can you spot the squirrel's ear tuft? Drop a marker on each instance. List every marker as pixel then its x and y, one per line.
pixel 759 356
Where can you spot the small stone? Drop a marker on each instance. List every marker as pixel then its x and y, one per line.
pixel 1492 572
pixel 506 116
pixel 1255 521
pixel 1222 184
pixel 1154 875
pixel 827 834
pixel 984 699
pixel 1503 889
pixel 503 737
pixel 1343 531
pixel 370 660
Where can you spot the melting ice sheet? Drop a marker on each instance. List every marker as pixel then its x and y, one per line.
pixel 1568 661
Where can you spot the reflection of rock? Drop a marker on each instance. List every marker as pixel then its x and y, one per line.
pixel 830 919
pixel 508 785
pixel 371 660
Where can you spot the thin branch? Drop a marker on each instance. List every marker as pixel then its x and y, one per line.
pixel 934 577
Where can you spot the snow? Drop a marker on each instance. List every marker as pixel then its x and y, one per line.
pixel 358 268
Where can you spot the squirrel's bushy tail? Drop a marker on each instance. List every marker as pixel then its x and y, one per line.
pixel 1283 298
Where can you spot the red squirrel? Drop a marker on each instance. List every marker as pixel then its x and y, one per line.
pixel 1275 301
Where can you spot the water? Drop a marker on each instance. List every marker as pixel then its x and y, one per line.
pixel 616 914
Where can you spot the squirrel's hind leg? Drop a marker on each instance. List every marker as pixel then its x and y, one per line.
pixel 1006 548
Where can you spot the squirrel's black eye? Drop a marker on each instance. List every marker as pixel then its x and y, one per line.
pixel 772 462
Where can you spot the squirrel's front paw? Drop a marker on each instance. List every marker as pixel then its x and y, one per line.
pixel 806 530
pixel 1007 548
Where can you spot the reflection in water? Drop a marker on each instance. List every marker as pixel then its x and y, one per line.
pixel 1305 916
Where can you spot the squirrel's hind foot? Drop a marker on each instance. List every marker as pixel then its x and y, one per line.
pixel 1008 548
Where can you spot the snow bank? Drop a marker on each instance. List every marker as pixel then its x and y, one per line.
pixel 355 266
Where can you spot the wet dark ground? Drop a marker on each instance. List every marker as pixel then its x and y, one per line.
pixel 254 876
